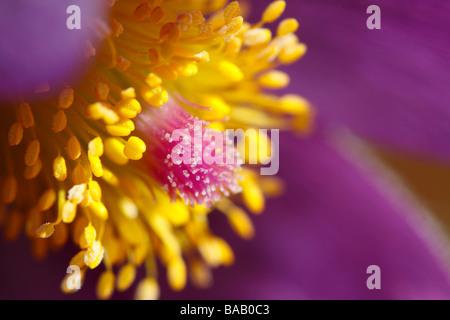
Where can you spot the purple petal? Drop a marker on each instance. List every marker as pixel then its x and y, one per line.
pixel 389 85
pixel 37 47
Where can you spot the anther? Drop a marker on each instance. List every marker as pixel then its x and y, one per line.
pixel 231 11
pixel 59 122
pixel 15 134
pixel 32 153
pixel 142 11
pixel 73 148
pixel 158 14
pixel 25 116
pixel 59 168
pixel 65 99
pixel 273 11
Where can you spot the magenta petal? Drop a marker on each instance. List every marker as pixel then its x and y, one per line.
pixel 389 85
pixel 37 47
pixel 317 241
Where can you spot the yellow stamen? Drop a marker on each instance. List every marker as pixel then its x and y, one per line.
pixel 59 121
pixel 292 53
pixel 240 222
pixel 45 231
pixel 15 134
pixel 258 36
pixel 47 200
pixel 206 29
pixel 252 194
pixel 127 94
pixel 95 191
pixel 123 64
pixel 232 28
pixel 176 273
pixel 134 148
pixel 77 193
pixel 69 212
pixel 230 71
pixel 105 285
pixel 231 11
pixel 200 274
pixel 156 97
pixel 73 148
pixel 65 99
pixel 128 108
pixel 287 26
pixel 90 235
pixel 295 105
pixel 274 80
pixel 33 171
pixel 121 129
pixel 80 175
pixel 96 165
pixel 102 91
pixel 25 116
pixel 32 153
pixel 99 209
pixel 94 255
pixel 126 277
pixel 142 11
pixel 273 11
pixel 116 28
pixel 153 80
pixel 148 289
pixel 78 260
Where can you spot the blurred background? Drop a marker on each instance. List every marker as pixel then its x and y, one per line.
pixel 370 186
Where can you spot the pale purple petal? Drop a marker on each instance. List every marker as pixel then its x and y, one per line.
pixel 389 85
pixel 37 47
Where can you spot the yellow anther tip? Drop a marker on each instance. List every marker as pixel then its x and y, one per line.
pixel 254 37
pixel 274 11
pixel 65 99
pixel 59 122
pixel 60 169
pixel 287 26
pixel 94 255
pixel 73 148
pixel 176 273
pixel 148 289
pixel 105 285
pixel 15 134
pixel 126 277
pixel 134 148
pixel 47 200
pixel 45 231
pixel 25 115
pixel 230 71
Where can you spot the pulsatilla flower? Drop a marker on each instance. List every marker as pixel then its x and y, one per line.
pixel 93 163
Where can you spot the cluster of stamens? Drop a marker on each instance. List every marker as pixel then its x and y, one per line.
pixel 75 179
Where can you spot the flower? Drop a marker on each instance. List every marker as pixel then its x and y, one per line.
pixel 95 166
pixel 336 217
